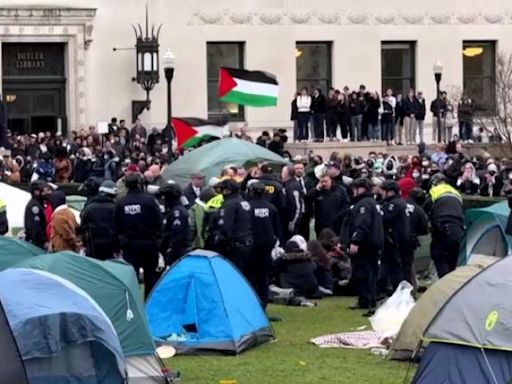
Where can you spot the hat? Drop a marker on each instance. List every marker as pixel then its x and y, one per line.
pixel 406 185
pixel 492 168
pixel 266 168
pixel 132 168
pixel 300 241
pixel 108 187
pixel 390 185
pixel 334 164
pixel 362 182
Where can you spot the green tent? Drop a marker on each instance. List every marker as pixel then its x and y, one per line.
pixel 211 158
pixel 76 202
pixel 13 251
pixel 114 286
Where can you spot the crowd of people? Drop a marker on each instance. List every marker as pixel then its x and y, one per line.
pixel 367 215
pixel 366 116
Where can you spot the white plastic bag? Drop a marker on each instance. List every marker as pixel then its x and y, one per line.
pixel 389 317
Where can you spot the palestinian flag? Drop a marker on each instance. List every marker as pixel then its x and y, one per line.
pixel 252 88
pixel 191 131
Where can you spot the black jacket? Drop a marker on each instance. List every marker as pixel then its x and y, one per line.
pixel 273 192
pixel 294 114
pixel 297 271
pixel 276 146
pixel 4 223
pixel 438 106
pixel 356 107
pixel 418 222
pixel 235 220
pixel 295 206
pixel 98 224
pixel 421 109
pixel 265 222
pixel 190 194
pixel 82 170
pixel 176 232
pixel 329 207
pixel 397 225
pixel 35 223
pixel 138 218
pixel 373 111
pixel 488 189
pixel 318 104
pixel 410 107
pixel 365 225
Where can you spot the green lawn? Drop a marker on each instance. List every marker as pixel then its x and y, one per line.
pixel 291 359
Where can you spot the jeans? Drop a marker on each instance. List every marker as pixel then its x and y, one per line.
pixel 466 130
pixel 332 125
pixel 303 125
pixel 420 123
pixel 388 130
pixel 438 132
pixel 373 131
pixel 399 132
pixel 355 129
pixel 410 129
pixel 295 130
pixel 318 126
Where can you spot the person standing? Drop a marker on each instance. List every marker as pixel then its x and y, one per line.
pixel 387 117
pixel 465 115
pixel 294 204
pixel 193 190
pixel 265 232
pixel 4 223
pixel 396 264
pixel 409 111
pixel 364 238
pixel 139 222
pixel 273 187
pixel 447 222
pixel 35 220
pixel 197 213
pixel 98 225
pixel 421 111
pixel 138 130
pixel 399 119
pixel 176 233
pixel 343 116
pixel 318 108
pixel 235 225
pixel 303 114
pixel 332 114
pixel 294 116
pixel 373 117
pixel 300 173
pixel 63 225
pixel 438 109
pixel 356 107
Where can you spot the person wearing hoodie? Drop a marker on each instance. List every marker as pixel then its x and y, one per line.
pixel 196 214
pixel 63 225
pixel 468 183
pixel 98 225
pixel 492 183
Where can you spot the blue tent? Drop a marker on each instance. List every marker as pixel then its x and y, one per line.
pixel 485 233
pixel 60 331
pixel 203 304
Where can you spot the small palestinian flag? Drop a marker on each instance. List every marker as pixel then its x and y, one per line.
pixel 252 88
pixel 191 131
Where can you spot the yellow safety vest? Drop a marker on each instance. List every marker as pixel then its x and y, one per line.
pixel 444 190
pixel 3 206
pixel 214 203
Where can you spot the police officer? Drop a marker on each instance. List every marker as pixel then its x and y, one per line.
pixel 98 225
pixel 447 222
pixel 235 225
pixel 294 203
pixel 273 188
pixel 365 241
pixel 265 230
pixel 176 233
pixel 4 223
pixel 35 220
pixel 139 222
pixel 419 224
pixel 91 187
pixel 396 260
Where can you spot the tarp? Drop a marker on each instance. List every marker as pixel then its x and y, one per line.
pixel 76 202
pixel 408 338
pixel 14 370
pixel 14 251
pixel 211 158
pixel 60 331
pixel 485 233
pixel 203 304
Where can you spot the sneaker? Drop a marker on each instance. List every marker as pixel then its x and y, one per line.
pixel 325 291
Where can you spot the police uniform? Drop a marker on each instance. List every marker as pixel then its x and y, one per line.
pixel 35 223
pixel 396 260
pixel 265 231
pixel 418 220
pixel 4 224
pixel 329 207
pixel 273 192
pixel 211 229
pixel 235 225
pixel 176 233
pixel 447 220
pixel 295 209
pixel 365 229
pixel 139 222
pixel 98 224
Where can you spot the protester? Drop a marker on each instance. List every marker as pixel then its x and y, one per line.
pixel 63 226
pixel 303 114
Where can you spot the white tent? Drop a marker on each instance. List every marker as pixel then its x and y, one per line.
pixel 16 200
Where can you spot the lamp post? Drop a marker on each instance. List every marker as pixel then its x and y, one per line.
pixel 168 61
pixel 438 73
pixel 146 58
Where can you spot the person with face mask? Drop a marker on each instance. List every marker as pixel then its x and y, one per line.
pixel 363 235
pixel 35 220
pixel 492 183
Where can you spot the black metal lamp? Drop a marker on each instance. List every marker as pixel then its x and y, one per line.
pixel 438 73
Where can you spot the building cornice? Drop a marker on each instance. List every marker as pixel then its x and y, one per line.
pixel 34 15
pixel 318 17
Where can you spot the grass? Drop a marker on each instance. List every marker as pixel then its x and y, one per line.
pixel 291 359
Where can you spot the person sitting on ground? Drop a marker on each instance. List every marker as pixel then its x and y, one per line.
pixel 296 269
pixel 323 272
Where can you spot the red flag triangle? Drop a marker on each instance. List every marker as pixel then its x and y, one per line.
pixel 183 131
pixel 226 82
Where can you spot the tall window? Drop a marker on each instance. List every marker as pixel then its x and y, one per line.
pixel 479 68
pixel 223 55
pixel 314 68
pixel 398 66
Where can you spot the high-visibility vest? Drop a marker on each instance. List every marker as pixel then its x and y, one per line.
pixel 444 190
pixel 215 203
pixel 3 206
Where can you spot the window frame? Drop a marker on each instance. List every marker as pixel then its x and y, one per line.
pixel 214 81
pixel 316 80
pixel 411 46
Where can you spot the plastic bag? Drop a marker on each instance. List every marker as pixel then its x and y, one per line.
pixel 389 317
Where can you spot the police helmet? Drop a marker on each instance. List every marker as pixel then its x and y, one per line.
pixel 134 181
pixel 362 182
pixel 171 191
pixel 229 184
pixel 256 187
pixel 37 185
pixel 417 195
pixel 91 186
pixel 108 187
pixel 390 185
pixel 437 179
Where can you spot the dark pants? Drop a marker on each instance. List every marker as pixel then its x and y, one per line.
pixel 388 130
pixel 143 255
pixel 303 125
pixel 259 270
pixel 332 124
pixel 239 254
pixel 466 130
pixel 364 278
pixel 407 261
pixel 391 270
pixel 100 251
pixel 445 247
pixel 318 125
pixel 304 229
